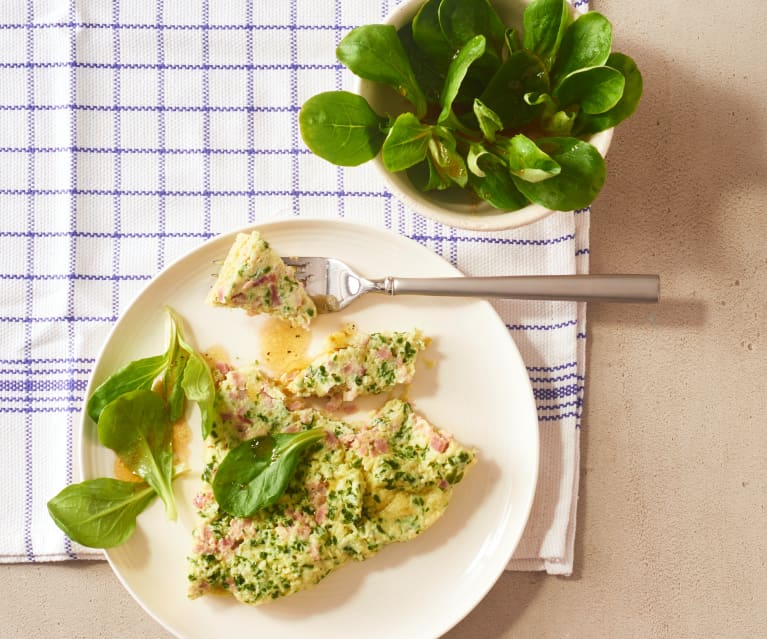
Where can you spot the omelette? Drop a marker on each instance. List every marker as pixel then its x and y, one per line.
pixel 364 365
pixel 254 278
pixel 362 486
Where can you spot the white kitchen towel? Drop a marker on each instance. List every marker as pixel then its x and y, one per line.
pixel 133 131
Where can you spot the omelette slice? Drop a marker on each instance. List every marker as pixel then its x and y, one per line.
pixel 364 365
pixel 359 489
pixel 254 278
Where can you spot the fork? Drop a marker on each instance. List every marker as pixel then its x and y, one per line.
pixel 334 285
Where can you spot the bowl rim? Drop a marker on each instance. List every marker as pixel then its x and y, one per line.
pixel 492 220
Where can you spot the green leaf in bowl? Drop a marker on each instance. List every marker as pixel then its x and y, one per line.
pixel 587 42
pixel 544 24
pixel 459 67
pixel 632 92
pixel 528 162
pixel 428 34
pixel 406 144
pixel 375 52
pixel 496 185
pixel 488 120
pixel 341 128
pixel 522 73
pixel 579 181
pixel 596 89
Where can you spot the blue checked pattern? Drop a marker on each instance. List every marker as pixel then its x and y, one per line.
pixel 132 131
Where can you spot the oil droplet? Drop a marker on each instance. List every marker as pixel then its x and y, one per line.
pixel 283 347
pixel 344 337
pixel 182 437
pixel 122 472
pixel 217 355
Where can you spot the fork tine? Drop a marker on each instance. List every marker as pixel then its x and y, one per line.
pixel 311 272
pixel 301 268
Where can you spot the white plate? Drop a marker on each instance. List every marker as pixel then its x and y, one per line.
pixel 478 389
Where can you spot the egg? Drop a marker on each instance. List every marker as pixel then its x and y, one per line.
pixel 366 484
pixel 254 278
pixel 359 364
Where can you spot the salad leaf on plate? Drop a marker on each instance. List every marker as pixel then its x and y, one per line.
pixel 102 512
pixel 256 472
pixel 134 410
pixel 137 427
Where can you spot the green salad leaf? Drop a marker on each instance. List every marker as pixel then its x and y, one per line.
pixel 544 23
pixel 522 73
pixel 406 144
pixel 174 374
pixel 627 104
pixel 461 21
pixel 429 36
pixel 255 473
pixel 470 52
pixel 596 89
pixel 134 410
pixel 449 163
pixel 581 175
pixel 138 374
pixel 496 186
pixel 587 42
pixel 513 41
pixel 137 427
pixel 102 512
pixel 528 162
pixel 341 127
pixel 488 120
pixel 197 380
pixel 375 52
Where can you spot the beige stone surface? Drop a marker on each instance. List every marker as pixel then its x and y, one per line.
pixel 672 530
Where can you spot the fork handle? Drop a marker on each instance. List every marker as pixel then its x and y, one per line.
pixel 579 288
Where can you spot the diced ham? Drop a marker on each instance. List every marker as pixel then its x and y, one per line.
pixel 275 295
pixel 318 497
pixel 205 543
pixel 380 446
pixel 439 443
pixel 202 499
pixel 223 367
pixel 330 439
pixel 294 404
pixel 270 278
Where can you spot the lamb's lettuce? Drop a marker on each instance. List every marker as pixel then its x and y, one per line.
pixel 474 85
pixel 135 409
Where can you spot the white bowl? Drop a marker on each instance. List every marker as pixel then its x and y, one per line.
pixel 454 207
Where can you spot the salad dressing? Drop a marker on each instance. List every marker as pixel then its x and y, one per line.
pixel 283 347
pixel 182 437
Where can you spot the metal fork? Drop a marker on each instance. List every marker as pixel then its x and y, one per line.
pixel 334 285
